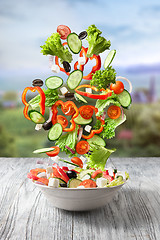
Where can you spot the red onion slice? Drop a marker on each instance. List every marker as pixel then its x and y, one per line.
pixel 80 134
pixel 70 149
pixel 104 115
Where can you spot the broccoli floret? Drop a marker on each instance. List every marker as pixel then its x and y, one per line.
pixel 54 47
pixel 97 44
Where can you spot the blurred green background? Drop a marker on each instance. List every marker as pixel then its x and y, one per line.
pixel 132 27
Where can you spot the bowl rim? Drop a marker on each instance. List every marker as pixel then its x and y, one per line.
pixel 77 189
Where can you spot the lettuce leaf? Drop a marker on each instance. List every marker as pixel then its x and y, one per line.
pixel 54 47
pixel 97 44
pixel 98 157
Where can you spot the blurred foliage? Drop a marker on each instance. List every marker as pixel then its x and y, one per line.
pixel 10 96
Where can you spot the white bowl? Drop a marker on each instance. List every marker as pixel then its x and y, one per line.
pixel 74 199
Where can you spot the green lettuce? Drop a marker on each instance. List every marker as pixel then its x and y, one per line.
pixel 102 104
pixel 98 157
pixel 69 139
pixel 97 44
pixel 51 98
pixel 54 47
pixel 103 78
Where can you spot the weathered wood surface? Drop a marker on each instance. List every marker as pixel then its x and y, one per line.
pixel 133 214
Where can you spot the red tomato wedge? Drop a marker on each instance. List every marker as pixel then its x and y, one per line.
pixel 96 173
pixel 88 183
pixel 77 161
pixel 62 120
pixel 53 153
pixel 117 87
pixel 82 147
pixel 68 109
pixel 63 31
pixel 86 111
pixel 114 112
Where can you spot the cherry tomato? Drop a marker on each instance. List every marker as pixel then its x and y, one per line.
pixel 82 147
pixel 86 111
pixel 114 112
pixel 88 183
pixel 68 109
pixel 64 31
pixel 53 153
pixel 94 174
pixel 77 161
pixel 117 87
pixel 62 120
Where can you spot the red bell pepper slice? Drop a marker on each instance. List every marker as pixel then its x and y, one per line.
pixel 94 174
pixel 93 96
pixel 105 175
pixel 63 174
pixel 95 131
pixel 55 112
pixel 41 103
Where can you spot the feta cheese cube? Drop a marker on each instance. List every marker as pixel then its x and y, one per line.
pixel 88 90
pixel 64 90
pixel 42 175
pixel 49 169
pixel 53 182
pixel 110 171
pixel 38 127
pixel 55 68
pixel 81 187
pixel 101 182
pixel 88 128
pixel 81 60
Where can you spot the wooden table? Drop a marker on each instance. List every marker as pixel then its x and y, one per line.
pixel 134 213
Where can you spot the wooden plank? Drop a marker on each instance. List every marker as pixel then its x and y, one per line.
pixel 133 214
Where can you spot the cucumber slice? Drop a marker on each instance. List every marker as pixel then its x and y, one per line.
pixel 36 117
pixel 54 82
pixel 87 176
pixel 81 121
pixel 65 161
pixel 55 132
pixel 74 43
pixel 96 140
pixel 73 183
pixel 83 173
pixel 79 98
pixel 43 150
pixel 60 180
pixel 74 79
pixel 125 99
pixel 109 58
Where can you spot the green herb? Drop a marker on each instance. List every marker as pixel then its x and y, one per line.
pixel 102 104
pixel 69 139
pixel 103 78
pixel 54 47
pixel 97 44
pixel 98 157
pixel 51 98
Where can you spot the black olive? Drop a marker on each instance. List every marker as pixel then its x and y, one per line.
pixel 37 82
pixel 82 35
pixel 67 66
pixel 69 96
pixel 63 184
pixel 47 125
pixel 71 174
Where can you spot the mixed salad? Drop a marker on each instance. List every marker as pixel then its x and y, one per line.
pixel 73 125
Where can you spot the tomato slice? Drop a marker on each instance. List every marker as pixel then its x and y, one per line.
pixel 62 120
pixel 117 87
pixel 114 112
pixel 77 161
pixel 82 147
pixel 105 175
pixel 64 31
pixel 88 183
pixel 94 174
pixel 53 153
pixel 86 111
pixel 37 170
pixel 68 109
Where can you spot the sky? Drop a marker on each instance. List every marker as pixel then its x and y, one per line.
pixel 132 26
